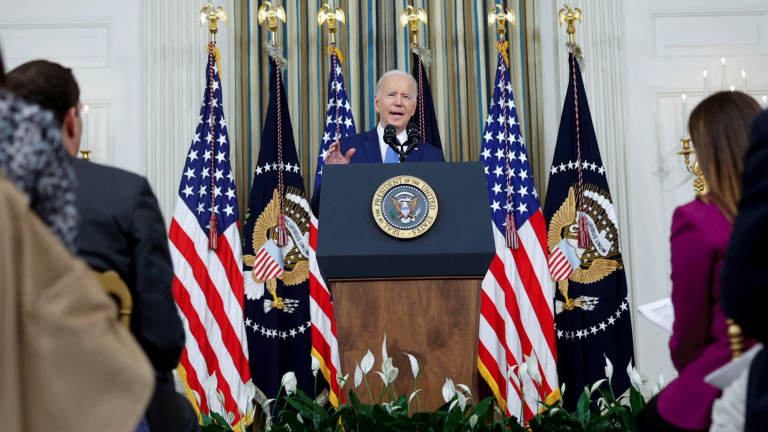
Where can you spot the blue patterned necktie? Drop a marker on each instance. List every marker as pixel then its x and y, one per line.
pixel 391 156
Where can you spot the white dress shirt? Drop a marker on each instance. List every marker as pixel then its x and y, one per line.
pixel 403 137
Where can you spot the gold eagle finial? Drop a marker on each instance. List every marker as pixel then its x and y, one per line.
pixel 499 17
pixel 413 16
pixel 327 14
pixel 212 15
pixel 570 16
pixel 271 14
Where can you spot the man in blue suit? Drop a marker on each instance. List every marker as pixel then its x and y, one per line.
pixel 395 101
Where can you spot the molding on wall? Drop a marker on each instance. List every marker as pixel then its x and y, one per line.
pixel 18 32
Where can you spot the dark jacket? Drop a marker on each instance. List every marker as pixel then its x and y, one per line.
pixel 745 273
pixel 122 229
pixel 368 151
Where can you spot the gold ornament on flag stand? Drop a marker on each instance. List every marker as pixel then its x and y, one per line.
pixel 499 17
pixel 327 14
pixel 570 16
pixel 212 15
pixel 271 13
pixel 412 16
pixel 699 185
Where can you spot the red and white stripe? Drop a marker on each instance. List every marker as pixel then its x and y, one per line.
pixel 559 266
pixel 517 318
pixel 265 267
pixel 208 288
pixel 325 345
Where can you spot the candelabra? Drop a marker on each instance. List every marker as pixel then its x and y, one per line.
pixel 699 185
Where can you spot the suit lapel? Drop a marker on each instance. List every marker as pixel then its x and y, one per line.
pixel 371 146
pixel 415 155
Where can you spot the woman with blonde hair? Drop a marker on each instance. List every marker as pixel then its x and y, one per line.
pixel 701 229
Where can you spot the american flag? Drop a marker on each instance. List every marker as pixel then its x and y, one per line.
pixel 517 315
pixel 338 117
pixel 208 284
pixel 325 346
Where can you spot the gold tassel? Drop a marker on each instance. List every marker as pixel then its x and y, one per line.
pixel 504 50
pixel 217 56
pixel 338 53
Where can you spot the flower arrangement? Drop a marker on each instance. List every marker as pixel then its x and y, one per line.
pixel 299 413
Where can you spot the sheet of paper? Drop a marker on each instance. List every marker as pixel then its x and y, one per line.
pixel 660 313
pixel 726 374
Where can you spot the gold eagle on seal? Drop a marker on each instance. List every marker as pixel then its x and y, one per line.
pixel 591 270
pixel 296 268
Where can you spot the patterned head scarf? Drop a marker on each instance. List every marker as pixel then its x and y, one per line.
pixel 33 158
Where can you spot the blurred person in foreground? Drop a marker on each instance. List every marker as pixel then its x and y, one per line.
pixel 746 272
pixel 66 364
pixel 121 228
pixel 701 229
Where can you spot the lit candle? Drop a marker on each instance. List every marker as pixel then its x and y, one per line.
pixel 685 117
pixel 85 126
pixel 765 101
pixel 733 87
pixel 744 78
pixel 706 84
pixel 724 74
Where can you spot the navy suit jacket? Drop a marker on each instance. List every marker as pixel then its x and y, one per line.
pixel 368 151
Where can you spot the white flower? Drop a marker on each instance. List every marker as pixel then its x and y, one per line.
pixel 659 386
pixel 386 366
pixel 358 376
pixel 596 385
pixel 562 391
pixel 298 417
pixel 533 369
pixel 210 385
pixel 511 374
pixel 367 363
pixel 473 420
pixel 413 395
pixel 449 391
pixel 521 371
pixel 342 380
pixel 453 404
pixel 248 392
pixel 197 397
pixel 315 365
pixel 414 365
pixel 289 382
pixel 634 377
pixel 660 381
pixel 384 348
pixel 462 400
pixel 383 378
pixel 231 417
pixel 464 388
pixel 608 369
pixel 392 374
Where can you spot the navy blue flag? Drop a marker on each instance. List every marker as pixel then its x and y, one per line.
pixel 338 119
pixel 276 260
pixel 592 315
pixel 425 108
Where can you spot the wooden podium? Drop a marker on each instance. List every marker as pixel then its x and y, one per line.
pixel 423 293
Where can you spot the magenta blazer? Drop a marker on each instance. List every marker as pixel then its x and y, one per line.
pixel 699 343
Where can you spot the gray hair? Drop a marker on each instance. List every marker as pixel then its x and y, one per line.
pixel 395 72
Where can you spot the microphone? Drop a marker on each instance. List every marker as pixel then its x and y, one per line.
pixel 414 136
pixel 390 138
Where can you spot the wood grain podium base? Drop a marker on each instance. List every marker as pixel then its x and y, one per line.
pixel 436 320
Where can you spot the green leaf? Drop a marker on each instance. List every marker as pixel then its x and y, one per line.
pixel 304 409
pixel 636 400
pixel 220 421
pixel 582 408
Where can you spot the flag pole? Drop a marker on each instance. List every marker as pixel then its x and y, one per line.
pixel 498 16
pixel 212 15
pixel 570 15
pixel 271 13
pixel 326 14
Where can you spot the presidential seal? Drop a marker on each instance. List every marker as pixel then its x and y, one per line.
pixel 404 207
pixel 587 265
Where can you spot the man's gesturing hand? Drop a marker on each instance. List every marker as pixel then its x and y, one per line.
pixel 335 157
